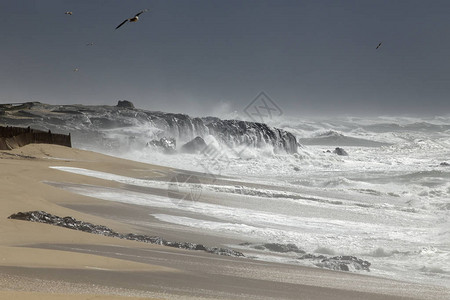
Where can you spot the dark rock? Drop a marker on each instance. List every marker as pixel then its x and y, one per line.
pixel 72 223
pixel 340 151
pixel 195 146
pixel 338 263
pixel 345 263
pixel 87 125
pixel 234 132
pixel 125 104
pixel 312 256
pixel 200 247
pixel 444 164
pixel 275 247
pixel 167 145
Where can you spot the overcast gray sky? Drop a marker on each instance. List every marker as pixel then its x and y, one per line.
pixel 209 56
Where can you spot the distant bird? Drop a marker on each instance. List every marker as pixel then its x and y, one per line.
pixel 75 70
pixel 133 19
pixel 68 13
pixel 379 45
pixel 90 44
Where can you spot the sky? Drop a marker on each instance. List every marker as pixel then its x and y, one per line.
pixel 211 57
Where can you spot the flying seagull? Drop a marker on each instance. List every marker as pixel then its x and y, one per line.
pixel 379 45
pixel 75 70
pixel 68 13
pixel 90 44
pixel 133 19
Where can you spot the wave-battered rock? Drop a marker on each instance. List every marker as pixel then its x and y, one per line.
pixel 275 247
pixel 340 151
pixel 339 263
pixel 167 145
pixel 102 125
pixel 195 146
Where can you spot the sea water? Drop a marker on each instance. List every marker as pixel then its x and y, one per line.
pixel 387 202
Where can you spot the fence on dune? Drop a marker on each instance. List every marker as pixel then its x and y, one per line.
pixel 15 137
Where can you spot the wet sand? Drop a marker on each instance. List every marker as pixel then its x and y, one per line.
pixel 39 261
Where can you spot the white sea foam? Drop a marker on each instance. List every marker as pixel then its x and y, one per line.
pixel 389 204
pixel 341 236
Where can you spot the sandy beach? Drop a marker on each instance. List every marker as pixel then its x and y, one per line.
pixel 40 261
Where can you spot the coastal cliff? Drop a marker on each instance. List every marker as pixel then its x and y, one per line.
pixel 97 124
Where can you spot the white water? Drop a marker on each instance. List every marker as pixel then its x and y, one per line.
pixel 387 204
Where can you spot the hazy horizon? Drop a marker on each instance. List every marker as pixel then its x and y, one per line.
pixel 214 57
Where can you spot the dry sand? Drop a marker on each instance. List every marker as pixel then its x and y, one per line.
pixel 39 261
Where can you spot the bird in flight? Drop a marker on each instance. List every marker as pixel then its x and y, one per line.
pixel 75 70
pixel 379 45
pixel 90 44
pixel 68 13
pixel 133 19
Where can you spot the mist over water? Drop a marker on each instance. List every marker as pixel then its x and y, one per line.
pixel 388 201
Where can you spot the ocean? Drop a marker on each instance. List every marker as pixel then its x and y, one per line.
pixel 387 201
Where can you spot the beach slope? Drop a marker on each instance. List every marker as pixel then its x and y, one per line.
pixel 40 261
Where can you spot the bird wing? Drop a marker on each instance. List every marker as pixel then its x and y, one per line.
pixel 142 11
pixel 122 23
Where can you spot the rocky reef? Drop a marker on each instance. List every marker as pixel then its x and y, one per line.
pixel 122 125
pixel 337 263
pixel 72 223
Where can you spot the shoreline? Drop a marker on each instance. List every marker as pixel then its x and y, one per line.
pixel 85 256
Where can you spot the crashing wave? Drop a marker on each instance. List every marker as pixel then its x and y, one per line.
pixel 105 123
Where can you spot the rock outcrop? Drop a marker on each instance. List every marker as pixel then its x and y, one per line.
pixel 167 145
pixel 120 127
pixel 275 247
pixel 340 151
pixel 195 146
pixel 72 223
pixel 234 133
pixel 125 104
pixel 338 263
